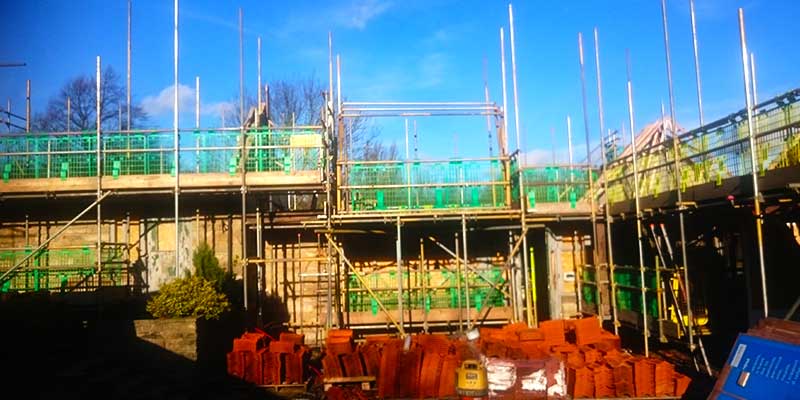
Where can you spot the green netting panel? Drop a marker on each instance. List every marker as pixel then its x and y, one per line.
pixel 428 185
pixel 138 154
pixel 57 269
pixel 223 156
pixel 441 290
pixel 629 295
pixel 555 184
pixel 283 150
pixel 74 155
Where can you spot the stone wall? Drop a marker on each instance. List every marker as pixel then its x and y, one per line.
pixel 152 241
pixel 177 335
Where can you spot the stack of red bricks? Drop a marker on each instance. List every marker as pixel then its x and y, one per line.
pixel 426 369
pixel 595 365
pixel 261 361
pixel 561 358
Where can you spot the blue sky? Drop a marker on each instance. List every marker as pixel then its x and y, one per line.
pixel 413 51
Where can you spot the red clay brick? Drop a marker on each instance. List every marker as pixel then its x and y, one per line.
pixel 371 354
pixel 665 378
pixel 434 343
pixel 581 382
pixel 447 379
pixel 429 375
pixel 608 341
pixel 377 339
pixel 681 384
pixel 592 356
pixel 575 360
pixel 389 367
pixel 644 377
pixel 623 379
pixel 530 335
pixel 339 333
pixel 352 364
pixel 532 351
pixel 331 367
pixel 250 342
pixel 603 381
pixel 279 346
pixel 294 367
pixel 235 364
pixel 295 338
pixel 407 384
pixel 553 331
pixel 587 331
pixel 339 345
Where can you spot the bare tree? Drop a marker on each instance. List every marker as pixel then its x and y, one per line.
pixel 82 94
pixel 296 102
pixel 364 143
pixel 300 102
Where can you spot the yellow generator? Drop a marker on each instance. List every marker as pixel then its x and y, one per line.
pixel 471 379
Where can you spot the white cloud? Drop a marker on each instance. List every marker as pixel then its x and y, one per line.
pixel 358 13
pixel 163 102
pixel 544 156
pixel 217 108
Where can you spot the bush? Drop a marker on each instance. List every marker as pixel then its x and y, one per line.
pixel 206 266
pixel 188 297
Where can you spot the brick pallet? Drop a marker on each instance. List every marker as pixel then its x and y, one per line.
pixel 258 360
pixel 560 359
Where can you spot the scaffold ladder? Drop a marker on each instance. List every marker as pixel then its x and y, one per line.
pixel 674 272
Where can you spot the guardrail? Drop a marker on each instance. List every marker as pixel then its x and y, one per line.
pixel 73 154
pixel 377 186
pixel 67 269
pixel 714 152
pixel 556 184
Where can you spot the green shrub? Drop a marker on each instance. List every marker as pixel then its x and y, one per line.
pixel 206 266
pixel 188 297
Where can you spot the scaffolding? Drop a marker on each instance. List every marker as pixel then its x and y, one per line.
pixel 73 154
pixel 714 152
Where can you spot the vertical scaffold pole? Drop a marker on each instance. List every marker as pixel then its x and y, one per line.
pixel 176 146
pixel 696 64
pixel 607 209
pixel 260 265
pixel 643 286
pixel 98 165
pixel 258 62
pixel 399 251
pixel 678 177
pixel 197 123
pixel 569 150
pixel 702 123
pixel 128 77
pixel 755 84
pixel 458 287
pixel 504 138
pixel 28 105
pixel 595 252
pixel 756 193
pixel 197 103
pixel 243 156
pixel 423 269
pixel 529 286
pixel 466 269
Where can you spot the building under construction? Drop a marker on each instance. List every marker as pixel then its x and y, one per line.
pixel 663 237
